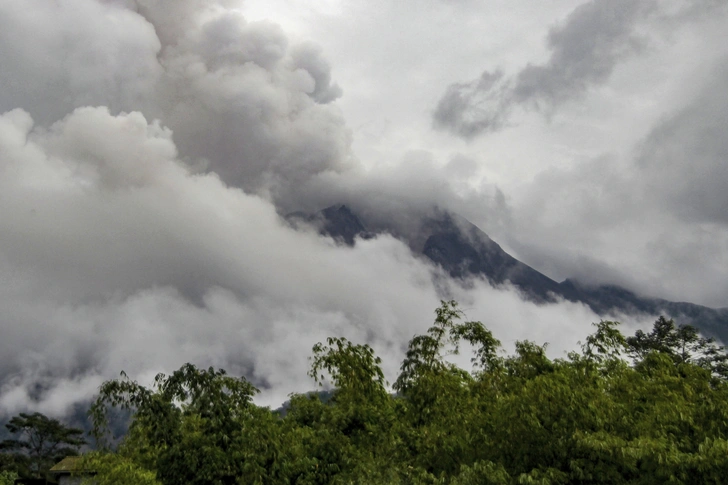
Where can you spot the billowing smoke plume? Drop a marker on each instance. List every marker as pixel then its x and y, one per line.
pixel 241 100
pixel 121 257
pixel 148 150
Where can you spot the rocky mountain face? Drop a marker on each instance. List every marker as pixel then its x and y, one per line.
pixel 465 251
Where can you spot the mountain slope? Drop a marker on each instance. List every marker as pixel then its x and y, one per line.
pixel 465 251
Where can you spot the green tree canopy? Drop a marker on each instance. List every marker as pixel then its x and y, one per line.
pixel 683 344
pixel 40 442
pixel 594 416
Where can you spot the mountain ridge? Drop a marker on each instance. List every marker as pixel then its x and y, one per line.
pixel 464 251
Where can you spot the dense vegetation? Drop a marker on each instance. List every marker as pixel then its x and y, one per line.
pixel 38 444
pixel 651 408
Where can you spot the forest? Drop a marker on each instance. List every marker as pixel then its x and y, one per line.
pixel 642 409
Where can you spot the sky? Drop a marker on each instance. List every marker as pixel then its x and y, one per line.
pixel 149 149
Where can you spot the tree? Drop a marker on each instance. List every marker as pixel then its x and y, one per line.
pixel 425 352
pixel 354 369
pixel 683 344
pixel 8 477
pixel 425 355
pixel 41 441
pixel 116 469
pixel 592 417
pixel 190 427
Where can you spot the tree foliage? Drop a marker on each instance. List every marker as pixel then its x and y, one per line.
pixel 39 443
pixel 187 427
pixel 8 477
pixel 115 469
pixel 683 344
pixel 649 408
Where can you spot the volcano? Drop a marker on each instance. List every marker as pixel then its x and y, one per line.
pixel 466 252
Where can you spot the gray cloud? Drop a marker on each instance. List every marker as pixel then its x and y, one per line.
pixel 469 109
pixel 81 53
pixel 683 159
pixel 396 199
pixel 106 233
pixel 310 59
pixel 585 49
pixel 147 152
pixel 656 217
pixel 241 100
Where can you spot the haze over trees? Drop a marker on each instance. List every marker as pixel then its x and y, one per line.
pixel 649 408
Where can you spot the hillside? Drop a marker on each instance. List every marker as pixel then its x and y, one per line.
pixel 465 251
